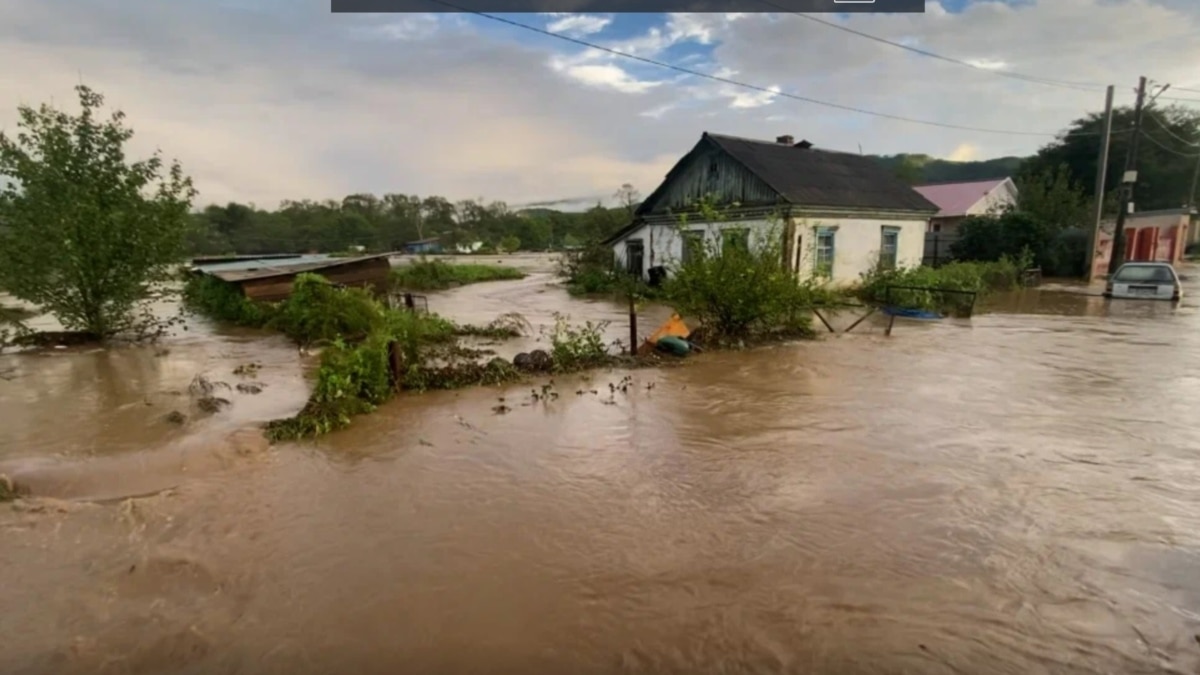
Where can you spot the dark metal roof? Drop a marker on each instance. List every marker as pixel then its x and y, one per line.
pixel 804 177
pixel 812 178
pixel 253 269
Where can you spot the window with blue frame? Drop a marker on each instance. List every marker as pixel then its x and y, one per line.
pixel 825 249
pixel 889 247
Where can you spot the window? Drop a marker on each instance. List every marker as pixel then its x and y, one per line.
pixel 635 252
pixel 693 245
pixel 889 245
pixel 735 239
pixel 823 262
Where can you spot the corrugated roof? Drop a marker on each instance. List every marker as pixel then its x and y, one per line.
pixel 244 270
pixel 811 177
pixel 955 199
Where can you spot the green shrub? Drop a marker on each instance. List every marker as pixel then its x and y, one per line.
pixel 975 277
pixel 575 348
pixel 431 275
pixel 224 301
pixel 317 311
pixel 737 291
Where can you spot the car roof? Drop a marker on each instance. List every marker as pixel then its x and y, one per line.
pixel 1147 264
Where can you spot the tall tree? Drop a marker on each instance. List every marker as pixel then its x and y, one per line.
pixel 1166 163
pixel 86 233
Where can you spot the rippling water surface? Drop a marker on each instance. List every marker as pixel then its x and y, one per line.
pixel 1016 493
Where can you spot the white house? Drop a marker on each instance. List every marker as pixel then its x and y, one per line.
pixel 956 201
pixel 838 214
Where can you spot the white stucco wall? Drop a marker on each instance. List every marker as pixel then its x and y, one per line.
pixel 856 243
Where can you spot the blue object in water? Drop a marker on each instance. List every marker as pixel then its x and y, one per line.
pixel 906 313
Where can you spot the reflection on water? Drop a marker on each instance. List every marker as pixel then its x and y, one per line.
pixel 1012 494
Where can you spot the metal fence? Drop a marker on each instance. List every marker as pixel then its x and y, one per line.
pixel 938 247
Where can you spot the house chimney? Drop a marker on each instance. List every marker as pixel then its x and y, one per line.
pixel 784 140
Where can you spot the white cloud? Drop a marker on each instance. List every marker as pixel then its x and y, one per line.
pixel 578 24
pixel 266 104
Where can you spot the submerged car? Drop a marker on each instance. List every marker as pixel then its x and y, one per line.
pixel 1144 281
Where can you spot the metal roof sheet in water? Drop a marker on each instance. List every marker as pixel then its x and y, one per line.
pixel 244 270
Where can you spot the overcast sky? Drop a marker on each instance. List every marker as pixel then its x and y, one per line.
pixel 263 100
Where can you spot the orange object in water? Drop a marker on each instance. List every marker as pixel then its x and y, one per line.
pixel 674 327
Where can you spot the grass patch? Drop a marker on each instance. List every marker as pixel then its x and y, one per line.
pixel 433 275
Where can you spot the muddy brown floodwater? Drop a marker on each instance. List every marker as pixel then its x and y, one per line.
pixel 1016 493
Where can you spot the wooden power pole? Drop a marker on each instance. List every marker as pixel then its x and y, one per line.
pixel 1128 180
pixel 1101 175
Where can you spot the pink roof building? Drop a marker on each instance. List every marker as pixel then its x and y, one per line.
pixel 959 200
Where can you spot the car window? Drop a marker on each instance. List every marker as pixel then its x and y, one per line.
pixel 1147 273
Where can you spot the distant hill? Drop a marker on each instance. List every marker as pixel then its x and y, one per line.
pixel 920 169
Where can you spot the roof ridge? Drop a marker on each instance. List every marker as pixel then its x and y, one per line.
pixel 963 182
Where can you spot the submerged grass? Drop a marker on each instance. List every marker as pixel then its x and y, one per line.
pixel 432 275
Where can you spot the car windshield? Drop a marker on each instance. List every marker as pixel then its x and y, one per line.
pixel 1155 274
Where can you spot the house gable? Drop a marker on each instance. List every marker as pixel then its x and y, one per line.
pixel 708 171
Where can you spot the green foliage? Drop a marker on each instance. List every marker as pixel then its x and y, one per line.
pixel 1165 165
pixel 387 223
pixel 576 348
pixel 87 234
pixel 1051 196
pixel 317 311
pixel 1058 251
pixel 216 299
pixel 739 291
pixel 352 380
pixel 917 169
pixel 429 275
pixel 510 243
pixel 978 277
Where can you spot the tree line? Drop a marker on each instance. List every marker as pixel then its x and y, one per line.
pixel 389 222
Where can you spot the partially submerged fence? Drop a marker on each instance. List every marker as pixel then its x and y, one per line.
pixel 939 248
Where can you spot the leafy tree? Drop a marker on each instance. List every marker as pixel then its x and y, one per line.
pixel 1165 168
pixel 86 233
pixel 510 243
pixel 1050 195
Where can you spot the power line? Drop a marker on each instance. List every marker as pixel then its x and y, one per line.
pixel 746 85
pixel 1164 127
pixel 1077 86
pixel 1169 149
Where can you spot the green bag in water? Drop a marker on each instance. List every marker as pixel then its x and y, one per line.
pixel 674 345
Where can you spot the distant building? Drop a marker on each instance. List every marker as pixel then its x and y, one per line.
pixel 839 214
pixel 957 201
pixel 429 245
pixel 270 278
pixel 1150 236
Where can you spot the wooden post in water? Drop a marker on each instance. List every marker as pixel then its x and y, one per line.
pixel 395 364
pixel 633 332
pixel 409 303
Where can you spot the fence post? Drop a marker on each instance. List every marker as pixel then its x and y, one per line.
pixel 408 302
pixel 633 328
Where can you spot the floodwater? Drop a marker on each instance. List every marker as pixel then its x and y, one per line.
pixel 1015 493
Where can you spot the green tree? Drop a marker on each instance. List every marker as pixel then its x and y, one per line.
pixel 86 233
pixel 1050 195
pixel 510 243
pixel 1165 161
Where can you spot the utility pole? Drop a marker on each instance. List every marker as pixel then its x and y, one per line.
pixel 1101 174
pixel 1191 200
pixel 1128 180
